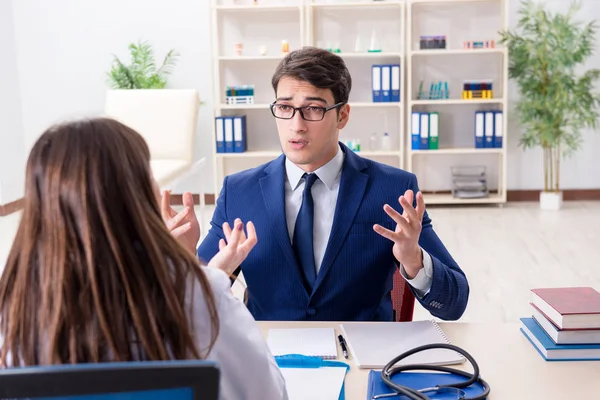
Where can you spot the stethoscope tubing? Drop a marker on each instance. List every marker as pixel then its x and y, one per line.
pixel 389 370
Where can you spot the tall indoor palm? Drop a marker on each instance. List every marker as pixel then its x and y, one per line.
pixel 558 98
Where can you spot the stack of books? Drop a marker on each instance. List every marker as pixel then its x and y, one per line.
pixel 565 323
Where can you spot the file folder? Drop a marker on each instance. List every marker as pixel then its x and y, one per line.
pixel 489 130
pixel 424 145
pixel 219 129
pixel 376 83
pixel 434 127
pixel 239 134
pixel 498 129
pixel 479 129
pixel 395 83
pixel 416 130
pixel 228 121
pixel 326 377
pixel 386 77
pixel 420 380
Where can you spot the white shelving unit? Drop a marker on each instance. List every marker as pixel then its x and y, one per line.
pixel 321 23
pixel 459 20
pixel 267 23
pixel 348 25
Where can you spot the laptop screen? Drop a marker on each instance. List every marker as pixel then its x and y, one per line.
pixel 161 394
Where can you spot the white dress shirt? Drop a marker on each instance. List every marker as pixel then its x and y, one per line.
pixel 325 192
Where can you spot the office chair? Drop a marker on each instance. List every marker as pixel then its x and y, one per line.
pixel 403 300
pixel 161 380
pixel 167 120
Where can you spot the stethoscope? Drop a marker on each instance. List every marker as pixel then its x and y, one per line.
pixel 389 370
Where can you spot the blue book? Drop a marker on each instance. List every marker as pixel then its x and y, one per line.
pixel 228 129
pixel 479 129
pixel 420 380
pixel 416 130
pixel 220 134
pixel 376 83
pixel 395 83
pixel 239 134
pixel 551 351
pixel 424 129
pixel 386 83
pixel 498 129
pixel 489 130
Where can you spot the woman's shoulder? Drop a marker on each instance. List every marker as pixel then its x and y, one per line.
pixel 219 281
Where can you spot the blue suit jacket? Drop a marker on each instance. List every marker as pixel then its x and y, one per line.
pixel 355 278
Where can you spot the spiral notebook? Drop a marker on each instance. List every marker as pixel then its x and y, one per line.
pixel 317 342
pixel 374 344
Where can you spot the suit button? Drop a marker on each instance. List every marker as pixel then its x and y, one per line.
pixel 311 311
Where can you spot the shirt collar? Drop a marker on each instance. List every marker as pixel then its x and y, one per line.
pixel 327 173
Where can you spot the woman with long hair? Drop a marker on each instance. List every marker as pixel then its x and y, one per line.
pixel 94 275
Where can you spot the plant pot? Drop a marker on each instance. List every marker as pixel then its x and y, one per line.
pixel 551 200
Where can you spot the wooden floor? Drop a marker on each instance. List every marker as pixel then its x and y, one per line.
pixel 504 251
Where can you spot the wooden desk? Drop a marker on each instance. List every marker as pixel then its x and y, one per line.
pixel 508 362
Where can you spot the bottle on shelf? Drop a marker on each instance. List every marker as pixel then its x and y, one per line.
pixel 386 142
pixel 375 46
pixel 373 142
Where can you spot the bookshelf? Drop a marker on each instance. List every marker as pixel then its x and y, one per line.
pixel 345 25
pixel 348 26
pixel 459 20
pixel 254 26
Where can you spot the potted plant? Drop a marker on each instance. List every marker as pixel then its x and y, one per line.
pixel 142 72
pixel 557 97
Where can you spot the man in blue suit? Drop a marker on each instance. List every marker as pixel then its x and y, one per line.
pixel 331 226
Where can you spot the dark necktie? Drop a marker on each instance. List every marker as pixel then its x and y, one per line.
pixel 303 234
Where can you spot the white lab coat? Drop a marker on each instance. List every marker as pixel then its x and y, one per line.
pixel 248 370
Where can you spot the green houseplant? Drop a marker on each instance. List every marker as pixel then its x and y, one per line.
pixel 142 72
pixel 557 98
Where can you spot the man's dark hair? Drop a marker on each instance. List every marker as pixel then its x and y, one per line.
pixel 320 68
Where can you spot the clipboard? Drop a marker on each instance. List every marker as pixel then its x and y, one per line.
pixel 303 364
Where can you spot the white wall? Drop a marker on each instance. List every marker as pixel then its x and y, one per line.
pixel 64 48
pixel 12 147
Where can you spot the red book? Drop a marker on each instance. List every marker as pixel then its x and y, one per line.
pixel 570 307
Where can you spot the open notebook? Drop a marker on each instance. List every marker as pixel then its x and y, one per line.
pixel 374 344
pixel 317 342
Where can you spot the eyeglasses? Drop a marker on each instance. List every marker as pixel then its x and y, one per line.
pixel 308 113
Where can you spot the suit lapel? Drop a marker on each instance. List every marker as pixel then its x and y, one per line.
pixel 273 193
pixel 352 188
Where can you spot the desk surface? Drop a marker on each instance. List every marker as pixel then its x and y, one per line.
pixel 508 362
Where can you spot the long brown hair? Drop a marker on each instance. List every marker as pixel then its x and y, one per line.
pixel 93 274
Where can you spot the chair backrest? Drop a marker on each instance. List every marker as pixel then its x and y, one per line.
pixel 403 300
pixel 166 118
pixel 172 380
